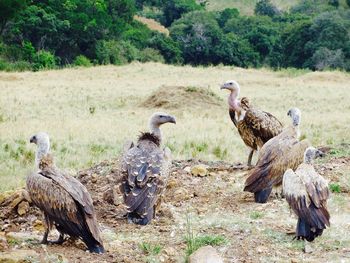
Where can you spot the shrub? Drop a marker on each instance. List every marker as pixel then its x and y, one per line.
pixel 266 8
pixel 334 187
pixel 169 49
pixel 150 54
pixel 115 52
pixel 43 60
pixel 334 3
pixel 327 59
pixel 20 66
pixel 82 61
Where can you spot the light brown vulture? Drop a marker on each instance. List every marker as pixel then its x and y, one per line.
pixel 65 202
pixel 255 126
pixel 306 193
pixel 282 152
pixel 145 168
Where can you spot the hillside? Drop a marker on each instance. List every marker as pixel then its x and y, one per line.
pixel 247 7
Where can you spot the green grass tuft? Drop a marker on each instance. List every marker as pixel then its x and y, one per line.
pixel 335 187
pixel 256 215
pixel 150 249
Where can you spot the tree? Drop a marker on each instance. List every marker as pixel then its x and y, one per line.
pixel 334 3
pixel 324 58
pixel 197 34
pixel 174 9
pixel 266 8
pixel 8 9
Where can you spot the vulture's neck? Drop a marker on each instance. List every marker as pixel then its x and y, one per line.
pixel 43 150
pixel 155 130
pixel 233 102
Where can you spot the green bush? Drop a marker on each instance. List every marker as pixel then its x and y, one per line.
pixel 115 52
pixel 266 8
pixel 43 60
pixel 20 66
pixel 82 61
pixel 150 54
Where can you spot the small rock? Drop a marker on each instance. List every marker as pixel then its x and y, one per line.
pixel 205 254
pixel 38 225
pixel 94 178
pixel 187 169
pixel 19 237
pixel 181 194
pixel 308 248
pixel 19 256
pixel 108 196
pixel 199 170
pixel 170 251
pixel 293 260
pixel 3 242
pixel 172 183
pixel 23 208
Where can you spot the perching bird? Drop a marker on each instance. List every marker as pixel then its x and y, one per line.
pixel 145 168
pixel 282 152
pixel 306 193
pixel 65 202
pixel 255 126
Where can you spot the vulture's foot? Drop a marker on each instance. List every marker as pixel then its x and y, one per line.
pixel 59 241
pixel 136 219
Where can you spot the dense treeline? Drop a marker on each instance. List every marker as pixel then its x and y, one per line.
pixel 41 34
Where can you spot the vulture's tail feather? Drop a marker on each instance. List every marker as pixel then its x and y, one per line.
pixel 262 196
pixel 98 249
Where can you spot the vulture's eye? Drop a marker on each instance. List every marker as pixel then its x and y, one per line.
pixel 230 83
pixel 161 116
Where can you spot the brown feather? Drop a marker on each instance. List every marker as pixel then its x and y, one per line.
pixel 307 193
pixel 276 156
pixel 257 126
pixel 61 196
pixel 147 136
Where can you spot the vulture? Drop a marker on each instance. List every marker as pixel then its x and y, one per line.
pixel 145 169
pixel 255 126
pixel 282 152
pixel 64 201
pixel 306 193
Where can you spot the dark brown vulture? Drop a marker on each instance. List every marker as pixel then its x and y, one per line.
pixel 65 202
pixel 276 156
pixel 145 168
pixel 255 126
pixel 306 193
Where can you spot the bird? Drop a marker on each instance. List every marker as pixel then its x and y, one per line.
pixel 306 193
pixel 145 169
pixel 275 157
pixel 255 126
pixel 64 201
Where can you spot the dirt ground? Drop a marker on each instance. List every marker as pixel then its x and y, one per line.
pixel 216 206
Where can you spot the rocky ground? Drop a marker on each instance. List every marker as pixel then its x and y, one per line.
pixel 203 202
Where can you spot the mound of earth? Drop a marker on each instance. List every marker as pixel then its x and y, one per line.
pixel 174 97
pixel 215 202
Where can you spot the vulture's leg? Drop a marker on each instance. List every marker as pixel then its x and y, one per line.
pixel 250 157
pixel 59 241
pixel 44 240
pixel 47 229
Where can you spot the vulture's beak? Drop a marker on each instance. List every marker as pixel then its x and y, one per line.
pixel 223 86
pixel 32 139
pixel 172 119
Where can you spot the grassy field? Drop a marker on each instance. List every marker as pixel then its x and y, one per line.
pixel 246 7
pixel 89 113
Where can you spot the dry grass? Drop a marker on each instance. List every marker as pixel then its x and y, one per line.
pixel 152 24
pixel 247 7
pixel 89 113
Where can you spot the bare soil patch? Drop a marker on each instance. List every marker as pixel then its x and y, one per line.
pixel 216 205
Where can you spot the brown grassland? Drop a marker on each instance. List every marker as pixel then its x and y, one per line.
pixel 90 112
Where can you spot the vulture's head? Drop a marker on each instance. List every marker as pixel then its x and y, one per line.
pixel 160 118
pixel 42 140
pixel 231 85
pixel 312 153
pixel 295 114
